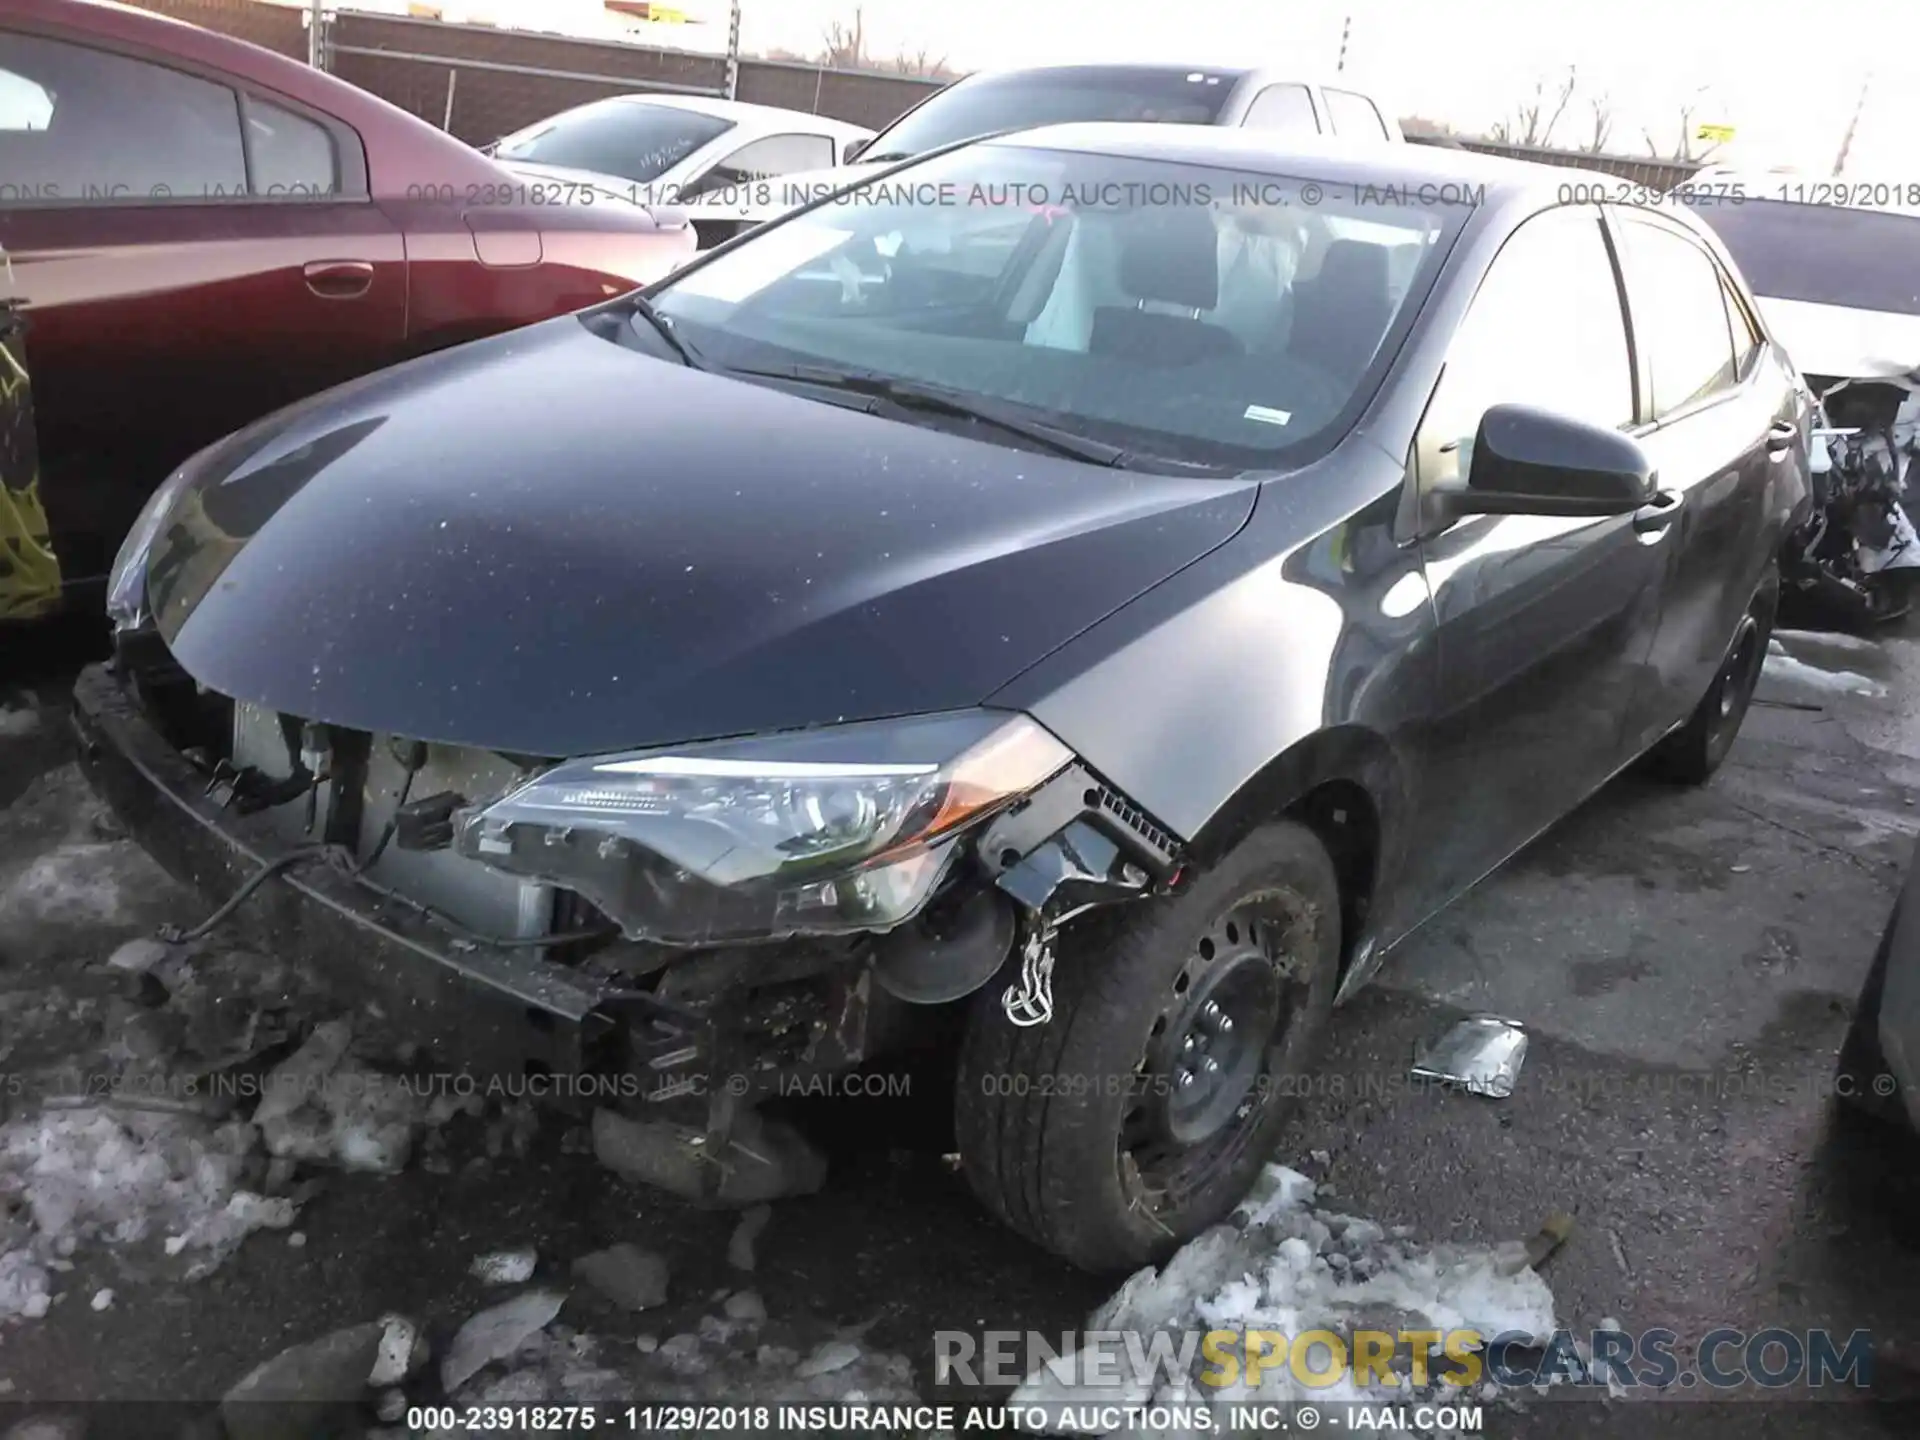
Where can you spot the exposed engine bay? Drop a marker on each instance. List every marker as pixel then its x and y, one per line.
pixel 1858 553
pixel 701 1016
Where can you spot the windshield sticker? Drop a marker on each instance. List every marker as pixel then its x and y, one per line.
pixel 1268 416
pixel 772 256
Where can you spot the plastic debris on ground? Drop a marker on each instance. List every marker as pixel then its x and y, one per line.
pixel 1481 1055
pixel 1283 1264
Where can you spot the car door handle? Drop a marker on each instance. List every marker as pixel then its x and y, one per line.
pixel 1653 517
pixel 339 279
pixel 1780 436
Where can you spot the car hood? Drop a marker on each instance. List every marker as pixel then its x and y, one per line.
pixel 762 200
pixel 548 543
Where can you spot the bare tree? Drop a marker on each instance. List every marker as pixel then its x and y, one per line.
pixel 1600 108
pixel 920 62
pixel 1534 120
pixel 847 42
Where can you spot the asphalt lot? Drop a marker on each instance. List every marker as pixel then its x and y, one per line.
pixel 1685 961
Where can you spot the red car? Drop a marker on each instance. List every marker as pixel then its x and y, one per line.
pixel 197 231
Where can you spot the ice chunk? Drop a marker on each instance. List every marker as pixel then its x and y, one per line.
pixel 496 1333
pixel 631 1277
pixel 827 1357
pixel 505 1267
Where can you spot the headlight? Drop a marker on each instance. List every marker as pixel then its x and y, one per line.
pixel 816 832
pixel 127 582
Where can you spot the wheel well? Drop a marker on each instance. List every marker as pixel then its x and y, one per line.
pixel 1342 814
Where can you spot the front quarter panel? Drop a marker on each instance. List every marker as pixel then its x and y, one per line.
pixel 1300 652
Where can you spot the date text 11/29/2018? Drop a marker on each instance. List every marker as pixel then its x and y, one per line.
pixel 828 1419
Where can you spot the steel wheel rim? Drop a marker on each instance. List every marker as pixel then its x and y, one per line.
pixel 1170 1148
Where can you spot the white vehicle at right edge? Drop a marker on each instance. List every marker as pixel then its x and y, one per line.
pixel 1835 268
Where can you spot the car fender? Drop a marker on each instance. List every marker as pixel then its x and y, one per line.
pixel 1298 655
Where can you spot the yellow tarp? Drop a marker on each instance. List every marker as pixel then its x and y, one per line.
pixel 29 574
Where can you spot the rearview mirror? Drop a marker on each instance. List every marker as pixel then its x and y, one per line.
pixel 1527 461
pixel 850 151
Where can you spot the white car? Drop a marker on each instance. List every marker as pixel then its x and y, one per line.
pixel 666 150
pixel 999 101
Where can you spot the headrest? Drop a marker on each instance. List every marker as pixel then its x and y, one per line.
pixel 1171 254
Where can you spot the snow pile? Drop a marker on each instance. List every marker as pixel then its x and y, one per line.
pixel 74 1175
pixel 1282 1265
pixel 84 871
pixel 1782 666
pixel 512 1354
pixel 323 1105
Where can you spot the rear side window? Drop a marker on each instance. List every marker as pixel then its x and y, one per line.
pixel 1355 117
pixel 1545 329
pixel 1680 315
pixel 292 156
pixel 116 128
pixel 630 139
pixel 1283 107
pixel 765 159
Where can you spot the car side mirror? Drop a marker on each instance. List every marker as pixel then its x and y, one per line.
pixel 1528 461
pixel 850 151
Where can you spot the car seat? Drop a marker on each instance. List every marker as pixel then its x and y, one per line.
pixel 1168 257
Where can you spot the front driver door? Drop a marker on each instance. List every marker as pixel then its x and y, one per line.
pixel 1544 623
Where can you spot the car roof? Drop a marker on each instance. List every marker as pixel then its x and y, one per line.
pixel 402 149
pixel 745 112
pixel 1324 158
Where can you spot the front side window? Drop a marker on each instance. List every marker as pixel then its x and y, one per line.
pixel 93 125
pixel 1152 306
pixel 1355 117
pixel 1545 329
pixel 1027 99
pixel 1680 315
pixel 631 139
pixel 1286 108
pixel 764 159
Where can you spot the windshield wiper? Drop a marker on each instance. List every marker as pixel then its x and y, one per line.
pixel 663 327
pixel 912 395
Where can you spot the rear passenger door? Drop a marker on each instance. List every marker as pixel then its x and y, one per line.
pixel 1544 623
pixel 1723 420
pixel 189 256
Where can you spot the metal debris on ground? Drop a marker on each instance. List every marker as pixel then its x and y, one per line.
pixel 1481 1055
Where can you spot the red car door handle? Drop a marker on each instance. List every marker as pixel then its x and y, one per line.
pixel 339 279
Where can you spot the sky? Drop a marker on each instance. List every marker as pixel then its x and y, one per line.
pixel 1469 62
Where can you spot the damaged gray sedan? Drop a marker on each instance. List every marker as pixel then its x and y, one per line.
pixel 1096 594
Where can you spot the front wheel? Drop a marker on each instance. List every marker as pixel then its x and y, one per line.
pixel 1141 1113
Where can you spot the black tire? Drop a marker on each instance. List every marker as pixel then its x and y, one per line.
pixel 1692 753
pixel 1063 1128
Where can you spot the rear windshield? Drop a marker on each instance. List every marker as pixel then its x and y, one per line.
pixel 1026 99
pixel 627 138
pixel 1823 254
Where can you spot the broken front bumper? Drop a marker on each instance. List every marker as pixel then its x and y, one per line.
pixel 504 1013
